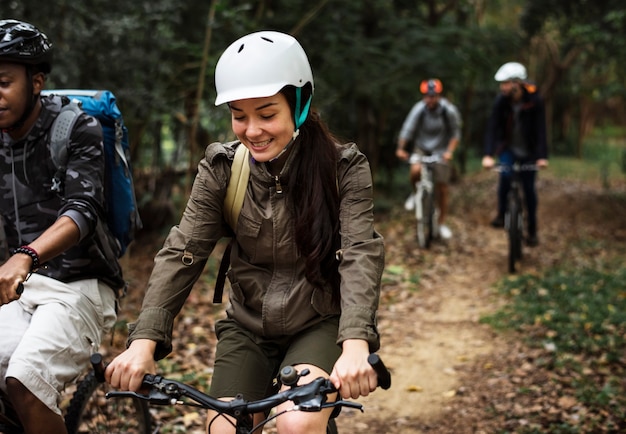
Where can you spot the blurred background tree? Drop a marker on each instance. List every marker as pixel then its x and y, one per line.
pixel 368 57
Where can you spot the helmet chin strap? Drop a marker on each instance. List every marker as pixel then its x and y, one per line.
pixel 301 113
pixel 293 139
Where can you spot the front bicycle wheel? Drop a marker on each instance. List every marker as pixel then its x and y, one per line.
pixel 514 224
pixel 426 224
pixel 90 412
pixel 422 213
pixel 433 227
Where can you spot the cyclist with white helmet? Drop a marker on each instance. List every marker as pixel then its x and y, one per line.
pixel 307 263
pixel 517 132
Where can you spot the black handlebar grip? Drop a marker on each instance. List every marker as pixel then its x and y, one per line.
pixel 384 376
pixel 98 366
pixel 20 288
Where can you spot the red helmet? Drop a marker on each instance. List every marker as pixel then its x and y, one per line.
pixel 432 86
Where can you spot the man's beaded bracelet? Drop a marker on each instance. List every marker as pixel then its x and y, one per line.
pixel 27 250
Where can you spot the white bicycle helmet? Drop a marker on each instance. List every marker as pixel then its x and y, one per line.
pixel 261 64
pixel 511 71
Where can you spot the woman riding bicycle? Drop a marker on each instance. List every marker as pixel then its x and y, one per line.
pixel 307 262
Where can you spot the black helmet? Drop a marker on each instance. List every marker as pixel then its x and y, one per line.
pixel 21 42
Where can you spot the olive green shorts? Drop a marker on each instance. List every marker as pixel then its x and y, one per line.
pixel 247 364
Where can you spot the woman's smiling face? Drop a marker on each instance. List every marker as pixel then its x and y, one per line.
pixel 264 125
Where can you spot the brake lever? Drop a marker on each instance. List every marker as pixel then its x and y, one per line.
pixel 154 396
pixel 342 403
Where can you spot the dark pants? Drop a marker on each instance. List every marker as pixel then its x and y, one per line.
pixel 528 185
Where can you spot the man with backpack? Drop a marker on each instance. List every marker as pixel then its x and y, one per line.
pixel 58 287
pixel 517 132
pixel 432 127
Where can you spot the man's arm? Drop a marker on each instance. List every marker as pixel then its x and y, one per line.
pixel 407 132
pixel 62 235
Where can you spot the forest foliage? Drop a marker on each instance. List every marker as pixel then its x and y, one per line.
pixel 368 57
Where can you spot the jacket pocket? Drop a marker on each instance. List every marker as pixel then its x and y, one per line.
pixel 248 236
pixel 236 293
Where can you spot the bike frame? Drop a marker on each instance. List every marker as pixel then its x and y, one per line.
pixel 514 217
pixel 425 203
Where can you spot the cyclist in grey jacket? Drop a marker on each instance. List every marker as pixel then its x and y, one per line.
pixel 68 274
pixel 307 263
pixel 432 127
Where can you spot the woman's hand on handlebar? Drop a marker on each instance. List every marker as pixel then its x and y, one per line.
pixel 127 370
pixel 352 375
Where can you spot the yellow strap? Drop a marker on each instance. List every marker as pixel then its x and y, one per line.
pixel 237 185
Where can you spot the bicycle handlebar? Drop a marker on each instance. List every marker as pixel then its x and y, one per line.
pixel 425 159
pixel 384 376
pixel 307 397
pixel 516 167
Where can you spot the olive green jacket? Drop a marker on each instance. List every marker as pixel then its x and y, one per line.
pixel 269 294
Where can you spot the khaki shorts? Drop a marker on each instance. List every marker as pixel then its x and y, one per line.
pixel 442 172
pixel 48 335
pixel 247 364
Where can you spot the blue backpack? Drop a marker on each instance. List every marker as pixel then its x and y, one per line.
pixel 122 213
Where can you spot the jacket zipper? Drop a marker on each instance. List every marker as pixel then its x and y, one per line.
pixel 279 188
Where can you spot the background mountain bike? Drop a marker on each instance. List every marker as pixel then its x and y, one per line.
pixel 308 397
pixel 424 203
pixel 514 216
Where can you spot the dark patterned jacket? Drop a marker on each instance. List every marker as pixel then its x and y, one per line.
pixel 29 205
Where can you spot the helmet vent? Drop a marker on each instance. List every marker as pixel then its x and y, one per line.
pixel 240 48
pixel 267 39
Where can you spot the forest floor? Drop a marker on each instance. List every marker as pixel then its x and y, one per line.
pixel 451 373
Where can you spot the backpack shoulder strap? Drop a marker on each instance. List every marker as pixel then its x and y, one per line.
pixel 60 132
pixel 235 194
pixel 446 119
pixel 417 124
pixel 237 185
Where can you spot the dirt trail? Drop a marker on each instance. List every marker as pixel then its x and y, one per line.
pixel 435 328
pixel 431 333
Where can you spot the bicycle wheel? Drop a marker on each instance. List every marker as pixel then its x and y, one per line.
pixel 426 224
pixel 514 224
pixel 421 217
pixel 431 220
pixel 90 412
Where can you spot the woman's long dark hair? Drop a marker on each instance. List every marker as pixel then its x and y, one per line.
pixel 314 195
